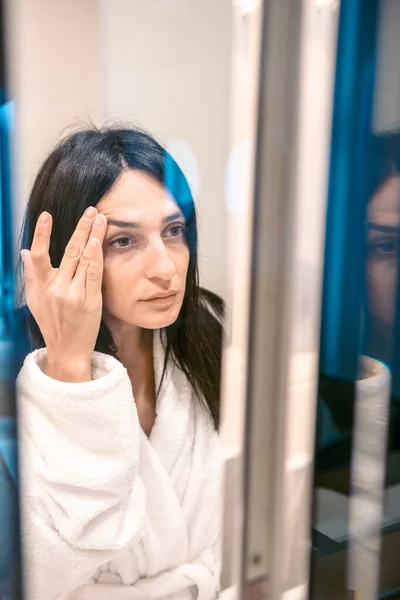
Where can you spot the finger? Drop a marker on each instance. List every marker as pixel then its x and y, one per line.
pixel 79 280
pixel 99 228
pixel 76 245
pixel 28 268
pixel 29 277
pixel 94 274
pixel 98 232
pixel 39 253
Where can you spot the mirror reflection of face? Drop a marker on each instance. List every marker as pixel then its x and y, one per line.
pixel 146 257
pixel 383 239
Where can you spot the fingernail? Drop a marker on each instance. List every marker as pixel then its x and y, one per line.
pixel 22 253
pixel 99 220
pixel 44 217
pixel 90 212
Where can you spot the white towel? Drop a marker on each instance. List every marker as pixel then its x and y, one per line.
pixel 108 512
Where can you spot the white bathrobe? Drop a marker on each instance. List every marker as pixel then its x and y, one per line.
pixel 107 512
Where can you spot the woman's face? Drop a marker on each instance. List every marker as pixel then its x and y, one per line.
pixel 145 253
pixel 383 238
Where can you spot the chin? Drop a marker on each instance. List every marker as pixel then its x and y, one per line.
pixel 157 319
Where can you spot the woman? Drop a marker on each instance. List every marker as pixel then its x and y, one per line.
pixel 119 405
pixel 383 219
pixel 336 411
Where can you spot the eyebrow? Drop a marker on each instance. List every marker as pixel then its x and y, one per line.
pixel 136 225
pixel 372 226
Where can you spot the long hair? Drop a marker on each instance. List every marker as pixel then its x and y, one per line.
pixel 77 174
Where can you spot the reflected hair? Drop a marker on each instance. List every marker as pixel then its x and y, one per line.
pixel 384 162
pixel 81 169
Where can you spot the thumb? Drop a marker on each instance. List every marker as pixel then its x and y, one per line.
pixel 28 266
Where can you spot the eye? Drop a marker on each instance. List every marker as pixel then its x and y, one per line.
pixel 122 242
pixel 176 231
pixel 385 248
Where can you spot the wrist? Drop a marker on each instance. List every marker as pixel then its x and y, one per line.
pixel 68 370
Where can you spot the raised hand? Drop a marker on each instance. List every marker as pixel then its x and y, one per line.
pixel 67 302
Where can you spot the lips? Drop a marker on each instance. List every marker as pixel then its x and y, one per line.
pixel 162 298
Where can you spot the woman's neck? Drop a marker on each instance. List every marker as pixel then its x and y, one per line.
pixel 135 346
pixel 135 351
pixel 132 342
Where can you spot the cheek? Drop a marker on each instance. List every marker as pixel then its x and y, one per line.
pixel 119 282
pixel 182 266
pixel 382 291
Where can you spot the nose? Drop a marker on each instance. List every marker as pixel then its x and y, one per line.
pixel 159 263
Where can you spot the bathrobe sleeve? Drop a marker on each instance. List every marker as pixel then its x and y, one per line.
pixel 82 501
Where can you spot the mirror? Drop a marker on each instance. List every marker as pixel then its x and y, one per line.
pixel 356 484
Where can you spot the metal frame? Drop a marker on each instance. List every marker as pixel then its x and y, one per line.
pixel 267 355
pixel 282 377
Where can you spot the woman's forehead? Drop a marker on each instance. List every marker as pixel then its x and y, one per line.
pixel 137 194
pixel 384 206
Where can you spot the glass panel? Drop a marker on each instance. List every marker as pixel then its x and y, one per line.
pixel 357 469
pixel 163 68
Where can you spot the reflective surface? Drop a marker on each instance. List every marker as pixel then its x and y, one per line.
pixel 275 111
pixel 163 66
pixel 357 464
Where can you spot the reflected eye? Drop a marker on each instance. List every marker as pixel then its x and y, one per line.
pixel 384 248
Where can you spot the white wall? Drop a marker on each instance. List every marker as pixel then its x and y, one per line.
pixel 55 78
pixel 387 89
pixel 167 67
pixel 164 64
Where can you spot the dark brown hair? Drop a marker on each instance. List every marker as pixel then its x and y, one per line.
pixel 77 174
